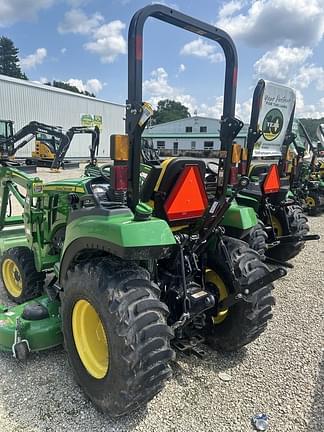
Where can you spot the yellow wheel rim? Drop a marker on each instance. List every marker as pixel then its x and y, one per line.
pixel 276 226
pixel 12 277
pixel 310 201
pixel 90 339
pixel 212 277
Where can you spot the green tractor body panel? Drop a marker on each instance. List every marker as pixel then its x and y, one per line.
pixel 240 217
pixel 41 334
pixel 248 201
pixel 68 185
pixel 119 235
pixel 121 230
pixel 10 238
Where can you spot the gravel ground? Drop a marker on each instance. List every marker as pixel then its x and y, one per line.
pixel 281 374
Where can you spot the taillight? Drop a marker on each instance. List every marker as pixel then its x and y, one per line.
pixel 119 153
pixel 236 158
pixel 119 177
pixel 243 163
pixel 271 183
pixel 187 199
pixel 233 177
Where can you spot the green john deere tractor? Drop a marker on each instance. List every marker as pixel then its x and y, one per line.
pixel 132 282
pixel 284 225
pixel 307 175
pixel 239 221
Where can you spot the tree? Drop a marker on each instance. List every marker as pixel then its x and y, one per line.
pixel 66 86
pixel 169 110
pixel 9 60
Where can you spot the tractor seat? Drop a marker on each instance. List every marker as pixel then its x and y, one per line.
pixel 257 170
pixel 252 191
pixel 161 180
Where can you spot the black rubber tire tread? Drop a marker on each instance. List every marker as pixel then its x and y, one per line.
pixel 314 211
pixel 298 225
pixel 32 280
pixel 257 239
pixel 245 322
pixel 134 320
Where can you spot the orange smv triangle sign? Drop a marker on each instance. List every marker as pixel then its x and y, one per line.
pixel 272 181
pixel 187 199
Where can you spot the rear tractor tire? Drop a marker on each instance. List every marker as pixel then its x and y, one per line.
pixel 298 225
pixel 313 202
pixel 116 335
pixel 20 278
pixel 257 239
pixel 242 323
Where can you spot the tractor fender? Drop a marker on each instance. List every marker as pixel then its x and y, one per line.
pixel 240 217
pixel 118 235
pixel 248 201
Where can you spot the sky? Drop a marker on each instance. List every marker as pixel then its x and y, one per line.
pixel 84 42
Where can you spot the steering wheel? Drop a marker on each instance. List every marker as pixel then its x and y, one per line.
pixel 211 168
pixel 105 171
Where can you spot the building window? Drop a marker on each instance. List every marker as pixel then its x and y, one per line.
pixel 203 129
pixel 175 148
pixel 208 145
pixel 160 145
pixel 188 128
pixel 193 145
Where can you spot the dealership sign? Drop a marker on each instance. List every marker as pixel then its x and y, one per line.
pixel 276 108
pixel 91 120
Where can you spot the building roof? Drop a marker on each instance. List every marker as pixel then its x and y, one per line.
pixel 184 119
pixel 45 87
pixel 180 135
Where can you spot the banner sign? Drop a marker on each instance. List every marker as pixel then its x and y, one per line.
pixel 91 120
pixel 277 106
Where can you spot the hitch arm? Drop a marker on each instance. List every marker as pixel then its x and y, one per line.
pixel 292 238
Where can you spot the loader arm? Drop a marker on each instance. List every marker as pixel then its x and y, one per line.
pixel 28 132
pixel 66 142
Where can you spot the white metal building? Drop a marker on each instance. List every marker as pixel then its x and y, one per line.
pixel 24 101
pixel 188 134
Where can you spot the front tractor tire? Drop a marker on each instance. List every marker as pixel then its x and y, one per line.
pixel 231 329
pixel 297 222
pixel 20 278
pixel 116 335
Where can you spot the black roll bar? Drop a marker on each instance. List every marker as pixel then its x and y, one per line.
pixel 254 127
pixel 135 79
